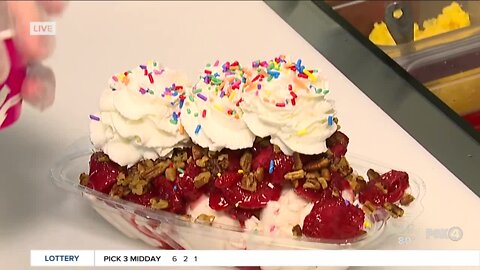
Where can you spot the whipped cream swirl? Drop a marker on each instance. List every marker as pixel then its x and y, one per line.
pixel 139 114
pixel 211 114
pixel 287 102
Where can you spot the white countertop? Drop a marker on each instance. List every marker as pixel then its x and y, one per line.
pixel 98 39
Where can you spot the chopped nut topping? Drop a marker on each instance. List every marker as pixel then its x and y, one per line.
pixel 84 179
pixel 197 152
pixel 222 161
pixel 103 158
pixel 246 161
pixel 212 154
pixel 343 167
pixel 357 183
pixel 202 162
pixel 205 218
pixel 394 210
pixel 262 142
pixel 371 174
pixel 325 173
pixel 202 179
pixel 158 203
pixel 297 231
pixel 295 175
pixel 276 149
pixel 119 191
pixel 315 181
pixel 248 182
pixel 121 179
pixel 138 186
pixel 171 174
pixel 259 174
pixel 155 170
pixel 369 207
pixel 406 199
pixel 317 164
pixel 297 165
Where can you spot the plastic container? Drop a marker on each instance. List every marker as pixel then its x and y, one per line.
pixel 453 74
pixel 363 14
pixel 169 231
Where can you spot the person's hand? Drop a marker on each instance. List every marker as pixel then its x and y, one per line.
pixel 39 85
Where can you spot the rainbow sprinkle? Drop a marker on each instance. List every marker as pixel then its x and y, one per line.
pixel 197 129
pixel 330 120
pixel 271 167
pixel 202 97
pixel 94 117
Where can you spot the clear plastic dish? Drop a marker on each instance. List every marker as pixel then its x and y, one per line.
pixel 169 231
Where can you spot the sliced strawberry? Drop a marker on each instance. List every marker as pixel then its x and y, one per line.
pixel 170 192
pixel 143 199
pixel 283 164
pixel 103 174
pixel 186 185
pixel 217 201
pixel 227 179
pixel 334 219
pixel 252 200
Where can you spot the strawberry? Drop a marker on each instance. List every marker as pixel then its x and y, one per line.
pixel 227 179
pixel 103 173
pixel 334 219
pixel 252 200
pixel 170 192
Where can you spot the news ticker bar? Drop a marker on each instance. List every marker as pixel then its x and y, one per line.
pixel 213 258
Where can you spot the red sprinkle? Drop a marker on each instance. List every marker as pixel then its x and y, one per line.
pixel 145 72
pixel 280 104
pixel 182 97
pixel 178 87
pixel 207 71
pixel 234 63
pixel 293 102
pixel 239 101
pixel 302 75
pixel 256 78
pixel 150 77
pixel 290 87
pixel 293 94
pixel 125 73
pixel 293 68
pixel 230 111
pixel 204 113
